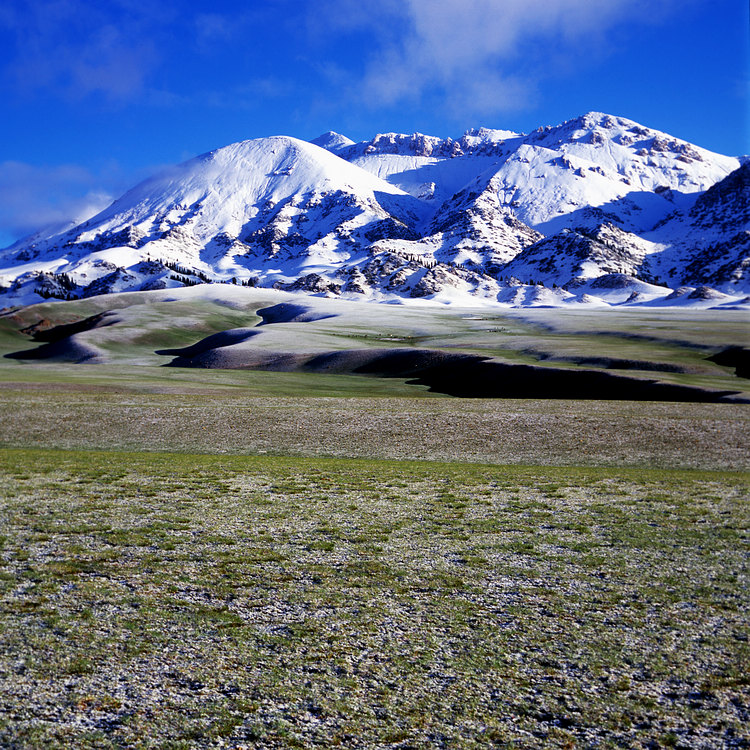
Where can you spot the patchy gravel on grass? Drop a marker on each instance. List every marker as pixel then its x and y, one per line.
pixel 617 433
pixel 193 601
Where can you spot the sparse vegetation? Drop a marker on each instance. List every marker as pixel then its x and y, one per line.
pixel 227 412
pixel 673 347
pixel 177 600
pixel 221 558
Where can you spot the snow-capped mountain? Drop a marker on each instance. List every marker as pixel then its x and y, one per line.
pixel 596 209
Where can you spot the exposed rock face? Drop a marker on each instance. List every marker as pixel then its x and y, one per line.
pixel 712 240
pixel 725 206
pixel 723 264
pixel 572 257
pixel 478 230
pixel 117 281
pixel 313 283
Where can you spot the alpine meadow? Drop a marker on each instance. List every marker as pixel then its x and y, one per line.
pixel 395 442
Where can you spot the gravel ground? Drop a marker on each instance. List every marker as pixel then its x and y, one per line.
pixel 614 433
pixel 193 601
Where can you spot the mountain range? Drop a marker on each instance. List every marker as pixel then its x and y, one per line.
pixel 596 211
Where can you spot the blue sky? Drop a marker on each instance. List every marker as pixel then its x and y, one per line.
pixel 98 94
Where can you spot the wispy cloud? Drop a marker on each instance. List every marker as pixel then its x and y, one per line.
pixel 483 55
pixel 32 197
pixel 36 196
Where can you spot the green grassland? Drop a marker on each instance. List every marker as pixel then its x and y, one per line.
pixel 178 600
pixel 200 558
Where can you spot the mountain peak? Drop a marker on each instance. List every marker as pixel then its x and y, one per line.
pixel 488 135
pixel 413 215
pixel 332 141
pixel 593 120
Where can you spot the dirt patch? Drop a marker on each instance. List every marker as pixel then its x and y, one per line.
pixel 45 330
pixel 63 343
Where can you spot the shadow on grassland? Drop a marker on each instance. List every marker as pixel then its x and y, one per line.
pixel 462 375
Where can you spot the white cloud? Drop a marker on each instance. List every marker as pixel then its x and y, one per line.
pixel 481 55
pixel 32 197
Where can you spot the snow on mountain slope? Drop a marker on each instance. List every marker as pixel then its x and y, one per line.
pixel 332 141
pixel 490 191
pixel 631 172
pixel 276 199
pixel 222 191
pixel 571 258
pixel 427 167
pixel 604 207
pixel 635 175
pixel 709 244
pixel 475 228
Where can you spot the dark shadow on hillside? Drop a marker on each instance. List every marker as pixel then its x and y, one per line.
pixel 65 350
pixel 643 206
pixel 734 356
pixel 470 376
pixel 61 344
pixel 40 331
pixel 214 341
pixel 612 363
pixel 461 375
pixel 289 312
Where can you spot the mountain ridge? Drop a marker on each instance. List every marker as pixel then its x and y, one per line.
pixel 416 216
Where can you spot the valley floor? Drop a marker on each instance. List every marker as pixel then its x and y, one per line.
pixel 500 431
pixel 219 558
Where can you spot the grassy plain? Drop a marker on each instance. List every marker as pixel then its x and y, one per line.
pixel 179 600
pixel 502 431
pixel 217 558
